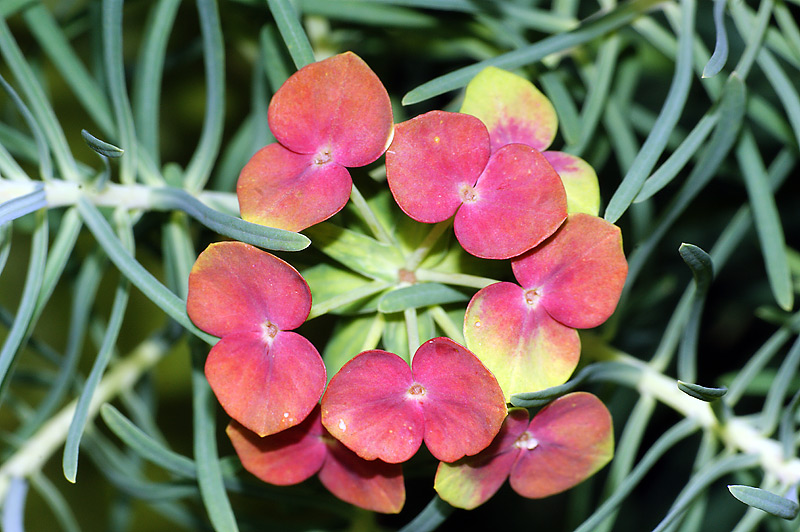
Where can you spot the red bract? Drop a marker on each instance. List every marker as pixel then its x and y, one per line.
pixel 441 164
pixel 524 334
pixel 515 111
pixel 264 376
pixel 380 408
pixel 566 442
pixel 327 116
pixel 294 455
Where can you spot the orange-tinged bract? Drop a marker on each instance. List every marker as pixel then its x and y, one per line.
pixel 264 376
pixel 566 442
pixel 327 116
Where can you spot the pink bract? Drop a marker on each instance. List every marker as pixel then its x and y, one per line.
pixel 566 442
pixel 327 116
pixel 380 408
pixel 440 164
pixel 524 334
pixel 296 454
pixel 264 376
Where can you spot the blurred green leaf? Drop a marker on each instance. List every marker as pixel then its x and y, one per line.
pixel 292 32
pixel 703 393
pixel 720 55
pixel 419 295
pixel 766 501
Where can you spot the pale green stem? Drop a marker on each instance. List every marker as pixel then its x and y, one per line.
pixel 416 258
pixel 412 330
pixel 369 217
pixel 133 196
pixel 374 334
pixel 323 307
pixel 446 324
pixel 458 279
pixel 32 457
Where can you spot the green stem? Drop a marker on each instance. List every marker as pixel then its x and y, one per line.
pixel 458 279
pixel 446 324
pixel 412 330
pixel 416 258
pixel 369 217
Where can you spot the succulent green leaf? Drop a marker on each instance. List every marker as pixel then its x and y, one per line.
pixel 103 148
pixel 419 295
pixel 766 501
pixel 512 108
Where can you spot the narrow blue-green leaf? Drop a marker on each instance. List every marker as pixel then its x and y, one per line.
pixel 732 109
pixel 720 55
pixel 13 507
pixel 144 445
pixel 431 517
pixel 785 88
pixel 149 73
pixel 11 7
pixel 51 38
pixel 669 439
pixel 566 110
pixel 767 220
pixel 199 168
pixel 9 167
pixel 704 393
pixel 275 66
pixel 114 64
pixel 27 304
pixel 174 306
pixel 589 29
pixel 677 160
pixel 42 151
pixel 120 304
pixel 258 235
pixel 618 372
pixel 788 24
pixel 56 502
pixel 209 474
pixel 103 148
pixel 348 339
pixel 702 479
pixel 786 429
pixel 703 272
pixel 595 103
pixel 68 231
pixel 5 245
pixel 22 205
pixel 40 105
pixel 620 133
pixel 294 36
pixel 774 402
pixel 752 30
pixel 357 251
pixel 419 295
pixel 666 122
pixel 369 13
pixel 766 501
pixel 83 299
pixel 179 253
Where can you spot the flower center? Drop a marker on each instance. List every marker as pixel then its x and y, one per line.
pixel 323 157
pixel 269 330
pixel 526 441
pixel 416 390
pixel 532 297
pixel 406 276
pixel 467 193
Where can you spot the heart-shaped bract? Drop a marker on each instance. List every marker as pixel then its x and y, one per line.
pixel 566 442
pixel 525 334
pixel 380 408
pixel 516 112
pixel 296 454
pixel 440 164
pixel 327 116
pixel 264 376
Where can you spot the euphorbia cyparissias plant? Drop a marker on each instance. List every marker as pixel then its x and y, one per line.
pixel 296 454
pixel 326 117
pixel 515 111
pixel 265 376
pixel 525 334
pixel 380 408
pixel 566 442
pixel 441 164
